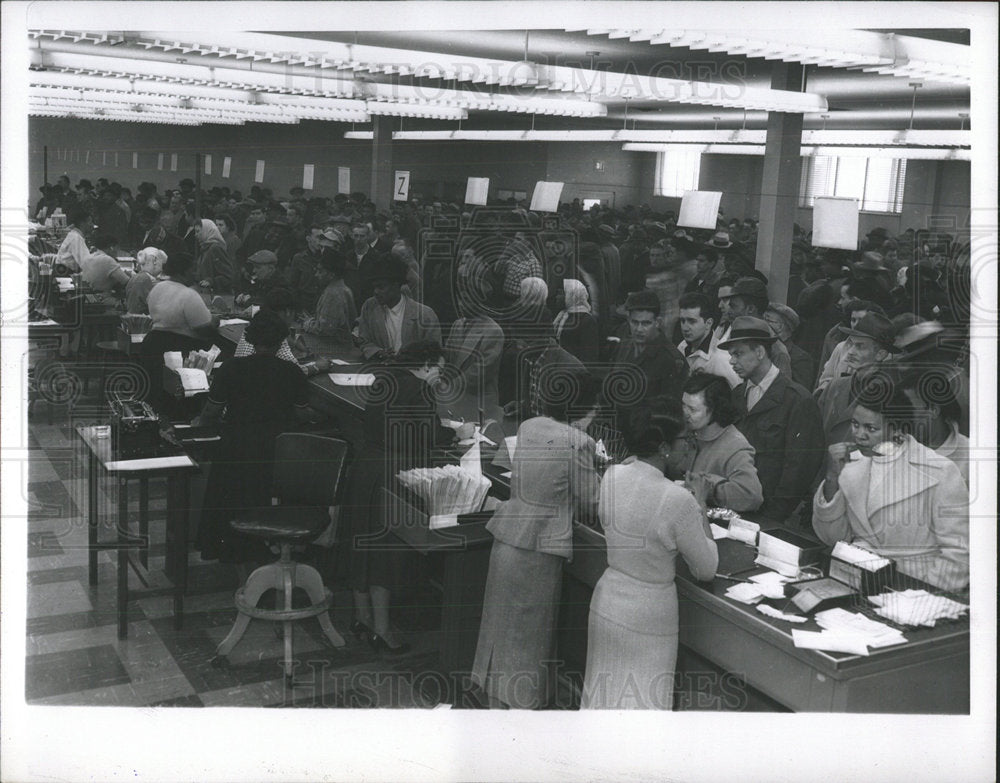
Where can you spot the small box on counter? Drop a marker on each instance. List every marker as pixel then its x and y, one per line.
pixel 864 571
pixel 786 552
pixel 819 594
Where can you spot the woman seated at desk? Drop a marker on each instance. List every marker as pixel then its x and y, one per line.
pixel 102 272
pixel 150 261
pixel 553 481
pixel 401 427
pixel 648 520
pixel 897 497
pixel 281 301
pixel 178 310
pixel 719 455
pixel 255 398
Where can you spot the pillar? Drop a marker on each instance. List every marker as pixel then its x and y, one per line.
pixel 382 169
pixel 779 187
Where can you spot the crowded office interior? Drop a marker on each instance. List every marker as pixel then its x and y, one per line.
pixel 518 369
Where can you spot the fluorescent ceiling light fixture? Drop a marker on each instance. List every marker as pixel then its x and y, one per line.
pixel 362 135
pixel 299 60
pixel 908 153
pixel 896 55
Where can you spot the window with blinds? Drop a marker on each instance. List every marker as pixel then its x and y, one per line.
pixel 676 172
pixel 877 183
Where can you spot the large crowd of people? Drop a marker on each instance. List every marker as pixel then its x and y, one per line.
pixel 842 411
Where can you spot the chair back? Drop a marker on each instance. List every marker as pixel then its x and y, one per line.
pixel 308 468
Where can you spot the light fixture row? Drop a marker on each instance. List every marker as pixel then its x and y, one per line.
pixel 301 62
pixel 890 54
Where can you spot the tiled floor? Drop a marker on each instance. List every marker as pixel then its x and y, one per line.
pixel 75 658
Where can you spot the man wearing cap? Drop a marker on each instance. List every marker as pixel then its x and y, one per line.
pixel 777 416
pixel 783 321
pixel 748 297
pixel 262 276
pixel 869 341
pixel 648 365
pixel 389 319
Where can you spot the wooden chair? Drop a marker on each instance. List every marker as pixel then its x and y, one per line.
pixel 307 473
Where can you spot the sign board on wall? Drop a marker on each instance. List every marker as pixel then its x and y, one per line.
pixel 546 196
pixel 226 166
pixel 308 173
pixel 699 209
pixel 208 164
pixel 835 223
pixel 401 189
pixel 259 174
pixel 476 190
pixel 343 179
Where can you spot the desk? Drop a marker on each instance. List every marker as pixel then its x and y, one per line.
pixel 465 550
pixel 177 470
pixel 929 674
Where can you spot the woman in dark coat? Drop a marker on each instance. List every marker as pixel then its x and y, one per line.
pixel 401 427
pixel 255 398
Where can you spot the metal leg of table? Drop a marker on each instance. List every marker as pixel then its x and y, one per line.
pixel 178 500
pixel 93 519
pixel 122 540
pixel 144 520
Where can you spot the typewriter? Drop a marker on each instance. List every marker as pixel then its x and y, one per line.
pixel 135 431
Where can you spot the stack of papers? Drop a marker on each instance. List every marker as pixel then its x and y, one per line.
pixel 233 321
pixel 770 611
pixel 871 632
pixel 857 556
pixel 718 531
pixel 767 585
pixel 448 490
pixel 917 607
pixel 743 530
pixel 352 379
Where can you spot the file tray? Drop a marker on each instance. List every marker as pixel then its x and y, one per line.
pixel 819 594
pixel 789 547
pixel 864 571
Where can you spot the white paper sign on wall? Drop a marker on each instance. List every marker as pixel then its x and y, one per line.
pixel 835 223
pixel 159 161
pixel 173 161
pixel 546 196
pixel 343 179
pixel 699 209
pixel 208 164
pixel 401 188
pixel 135 160
pixel 476 190
pixel 259 174
pixel 226 166
pixel 308 172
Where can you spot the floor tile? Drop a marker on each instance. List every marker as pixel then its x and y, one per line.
pixel 57 598
pixel 69 671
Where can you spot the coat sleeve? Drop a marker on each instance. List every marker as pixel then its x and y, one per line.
pixel 805 445
pixel 585 484
pixel 430 328
pixel 220 270
pixel 740 488
pixel 368 345
pixel 950 528
pixel 829 518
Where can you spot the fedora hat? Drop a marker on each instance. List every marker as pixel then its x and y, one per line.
pixel 870 262
pixel 720 240
pixel 750 287
pixel 745 328
pixel 876 327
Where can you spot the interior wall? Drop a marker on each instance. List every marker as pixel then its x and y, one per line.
pixel 936 192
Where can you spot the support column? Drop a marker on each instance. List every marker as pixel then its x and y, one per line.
pixel 779 187
pixel 382 169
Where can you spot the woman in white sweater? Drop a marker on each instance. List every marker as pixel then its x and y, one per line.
pixel 648 521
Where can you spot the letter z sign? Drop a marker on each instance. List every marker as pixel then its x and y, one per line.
pixel 401 192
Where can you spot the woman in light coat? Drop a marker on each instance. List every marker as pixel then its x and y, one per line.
pixel 892 495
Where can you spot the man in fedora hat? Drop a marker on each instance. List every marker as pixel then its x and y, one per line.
pixel 870 341
pixel 389 319
pixel 777 416
pixel 748 297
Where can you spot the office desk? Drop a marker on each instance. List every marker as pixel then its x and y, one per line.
pixel 101 460
pixel 928 674
pixel 465 551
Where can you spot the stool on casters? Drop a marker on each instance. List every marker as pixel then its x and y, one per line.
pixel 307 473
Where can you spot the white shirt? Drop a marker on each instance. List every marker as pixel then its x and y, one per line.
pixel 73 250
pixel 394 324
pixel 714 361
pixel 756 390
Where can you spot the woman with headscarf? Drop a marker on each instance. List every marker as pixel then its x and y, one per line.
pixel 215 269
pixel 575 327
